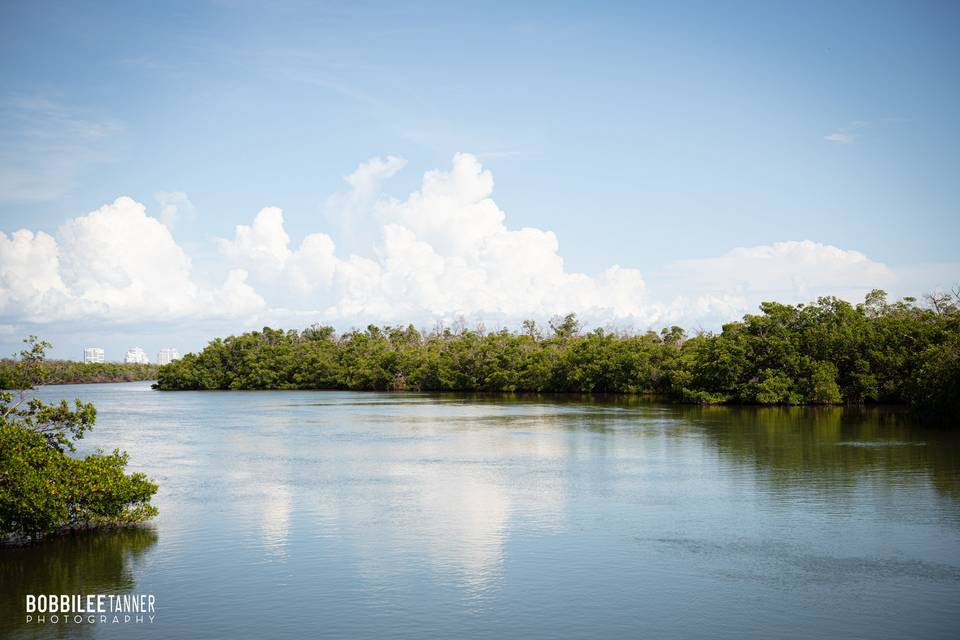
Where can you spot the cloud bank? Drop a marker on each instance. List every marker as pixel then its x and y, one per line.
pixel 115 264
pixel 443 252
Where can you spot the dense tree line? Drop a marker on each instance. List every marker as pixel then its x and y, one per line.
pixel 828 352
pixel 43 489
pixel 71 372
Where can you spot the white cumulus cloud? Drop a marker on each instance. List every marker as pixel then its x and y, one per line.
pixel 30 282
pixel 443 251
pixel 116 264
pixel 346 210
pixel 265 247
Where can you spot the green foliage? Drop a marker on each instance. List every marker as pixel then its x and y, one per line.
pixel 773 387
pixel 43 489
pixel 70 372
pixel 823 384
pixel 828 352
pixel 936 382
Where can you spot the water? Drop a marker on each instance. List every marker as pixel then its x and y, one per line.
pixel 365 515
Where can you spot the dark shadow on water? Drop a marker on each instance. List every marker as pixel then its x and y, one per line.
pixel 87 562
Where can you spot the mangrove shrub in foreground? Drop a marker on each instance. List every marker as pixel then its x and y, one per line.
pixel 42 488
pixel 828 352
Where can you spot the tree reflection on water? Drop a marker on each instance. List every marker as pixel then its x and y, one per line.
pixel 87 562
pixel 833 447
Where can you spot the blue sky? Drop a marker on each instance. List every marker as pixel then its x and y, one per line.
pixel 641 136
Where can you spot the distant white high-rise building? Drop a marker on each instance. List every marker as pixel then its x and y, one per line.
pixel 93 354
pixel 166 356
pixel 136 355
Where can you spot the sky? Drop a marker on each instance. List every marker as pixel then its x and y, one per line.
pixel 175 171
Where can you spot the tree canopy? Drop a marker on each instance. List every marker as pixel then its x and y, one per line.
pixel 827 352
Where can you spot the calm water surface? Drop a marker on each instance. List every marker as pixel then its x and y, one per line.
pixel 363 515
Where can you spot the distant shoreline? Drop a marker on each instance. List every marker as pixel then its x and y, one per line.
pixel 827 352
pixel 61 384
pixel 72 372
